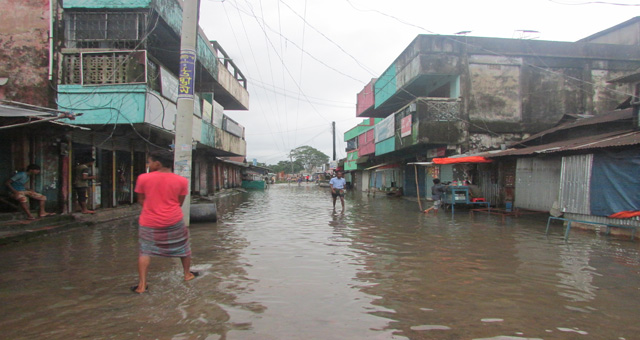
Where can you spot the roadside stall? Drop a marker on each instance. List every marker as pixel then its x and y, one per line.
pixel 460 189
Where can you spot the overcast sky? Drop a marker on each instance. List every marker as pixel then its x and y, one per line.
pixel 306 60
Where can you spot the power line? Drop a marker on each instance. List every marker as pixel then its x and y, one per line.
pixel 298 99
pixel 286 68
pixel 592 3
pixel 301 64
pixel 253 81
pixel 330 40
pixel 258 68
pixel 305 128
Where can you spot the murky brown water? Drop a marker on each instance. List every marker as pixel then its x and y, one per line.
pixel 282 265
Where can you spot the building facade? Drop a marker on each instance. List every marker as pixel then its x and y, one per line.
pixel 118 64
pixel 451 95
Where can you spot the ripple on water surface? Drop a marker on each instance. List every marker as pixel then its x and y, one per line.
pixel 282 264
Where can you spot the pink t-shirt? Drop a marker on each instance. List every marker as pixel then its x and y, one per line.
pixel 161 190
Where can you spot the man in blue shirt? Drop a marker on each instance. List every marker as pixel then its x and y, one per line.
pixel 338 185
pixel 18 191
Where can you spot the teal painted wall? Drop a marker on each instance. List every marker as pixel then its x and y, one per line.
pixel 385 87
pixel 386 146
pixel 350 163
pixel 170 12
pixel 106 4
pixel 208 136
pixel 206 57
pixel 107 104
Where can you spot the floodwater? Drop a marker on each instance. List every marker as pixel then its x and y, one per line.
pixel 280 264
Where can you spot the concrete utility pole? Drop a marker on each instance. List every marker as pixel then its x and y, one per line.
pixel 186 89
pixel 291 160
pixel 333 129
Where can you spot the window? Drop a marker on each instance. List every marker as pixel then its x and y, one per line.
pixel 104 29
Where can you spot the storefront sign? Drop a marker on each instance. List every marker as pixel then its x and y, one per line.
pixel 405 126
pixel 218 114
pixel 197 106
pixel 437 152
pixel 169 85
pixel 385 129
pixel 207 111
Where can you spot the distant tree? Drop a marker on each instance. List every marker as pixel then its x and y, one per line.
pixel 286 167
pixel 309 157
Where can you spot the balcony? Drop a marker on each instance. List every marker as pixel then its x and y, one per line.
pixel 231 86
pixel 154 26
pixel 124 87
pixel 430 121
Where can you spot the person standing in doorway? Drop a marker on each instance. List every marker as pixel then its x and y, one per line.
pixel 337 185
pixel 81 183
pixel 162 230
pixel 437 191
pixel 18 191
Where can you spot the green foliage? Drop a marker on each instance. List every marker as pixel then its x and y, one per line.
pixel 286 167
pixel 309 157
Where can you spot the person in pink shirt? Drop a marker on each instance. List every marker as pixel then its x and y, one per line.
pixel 162 231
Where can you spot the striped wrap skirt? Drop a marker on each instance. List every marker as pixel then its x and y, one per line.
pixel 171 241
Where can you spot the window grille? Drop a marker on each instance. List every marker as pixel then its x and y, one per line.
pixel 104 29
pixel 126 67
pixel 443 110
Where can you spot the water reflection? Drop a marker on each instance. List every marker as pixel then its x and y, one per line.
pixel 281 264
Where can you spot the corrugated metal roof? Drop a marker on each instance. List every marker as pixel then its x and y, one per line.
pixel 13 111
pixel 629 78
pixel 610 29
pixel 611 139
pixel 606 118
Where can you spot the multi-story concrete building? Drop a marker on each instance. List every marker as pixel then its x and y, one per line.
pixel 117 63
pixel 448 95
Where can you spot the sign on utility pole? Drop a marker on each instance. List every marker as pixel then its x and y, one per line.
pixel 186 87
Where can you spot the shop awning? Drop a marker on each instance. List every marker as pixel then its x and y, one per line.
pixel 34 114
pixel 384 166
pixel 457 160
pixel 421 163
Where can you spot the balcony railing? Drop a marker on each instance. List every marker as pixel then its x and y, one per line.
pixel 228 63
pixel 440 109
pixel 101 68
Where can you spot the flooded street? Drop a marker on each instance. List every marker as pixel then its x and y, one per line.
pixel 280 264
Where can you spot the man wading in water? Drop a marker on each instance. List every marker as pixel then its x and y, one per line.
pixel 337 185
pixel 162 231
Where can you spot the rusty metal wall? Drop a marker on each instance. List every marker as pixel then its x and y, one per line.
pixel 487 181
pixel 574 184
pixel 537 182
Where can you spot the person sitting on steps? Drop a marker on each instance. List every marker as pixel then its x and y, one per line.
pixel 18 191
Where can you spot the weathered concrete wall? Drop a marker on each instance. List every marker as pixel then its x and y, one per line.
pixel 233 86
pixel 24 51
pixel 479 142
pixel 495 94
pixel 513 85
pixel 230 143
